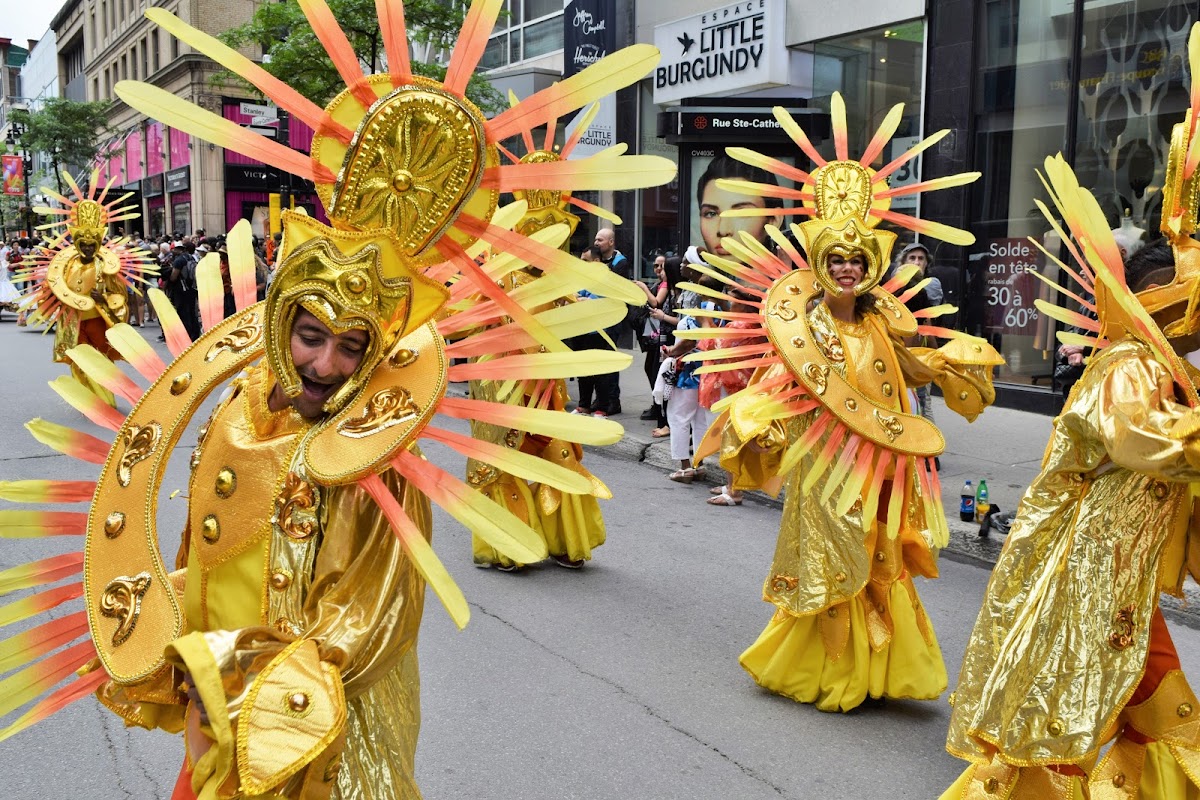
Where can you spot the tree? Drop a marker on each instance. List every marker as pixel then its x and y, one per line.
pixel 69 132
pixel 294 54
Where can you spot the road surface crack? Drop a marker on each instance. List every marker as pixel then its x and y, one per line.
pixel 647 708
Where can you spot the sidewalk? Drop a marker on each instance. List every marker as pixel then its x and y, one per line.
pixel 1003 446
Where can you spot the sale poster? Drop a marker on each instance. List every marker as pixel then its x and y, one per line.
pixel 1010 287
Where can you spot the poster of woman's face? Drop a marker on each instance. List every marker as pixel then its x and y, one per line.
pixel 708 226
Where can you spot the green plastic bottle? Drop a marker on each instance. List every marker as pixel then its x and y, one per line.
pixel 982 506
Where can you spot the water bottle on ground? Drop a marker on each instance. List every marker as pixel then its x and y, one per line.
pixel 966 506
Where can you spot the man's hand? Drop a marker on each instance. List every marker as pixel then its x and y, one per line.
pixel 194 696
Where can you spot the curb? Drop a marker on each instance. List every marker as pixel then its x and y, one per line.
pixel 965 546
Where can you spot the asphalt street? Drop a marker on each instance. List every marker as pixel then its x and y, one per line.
pixel 617 681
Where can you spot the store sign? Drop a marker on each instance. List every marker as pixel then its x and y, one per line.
pixel 1009 287
pixel 178 180
pixel 590 34
pixel 719 124
pixel 252 178
pixel 259 110
pixel 152 186
pixel 731 49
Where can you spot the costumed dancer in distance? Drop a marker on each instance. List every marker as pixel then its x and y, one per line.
pixel 81 286
pixel 1070 652
pixel 827 413
pixel 572 525
pixel 293 615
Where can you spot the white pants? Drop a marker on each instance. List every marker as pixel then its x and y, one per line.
pixel 688 421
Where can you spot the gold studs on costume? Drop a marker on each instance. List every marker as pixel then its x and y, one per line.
pixel 226 482
pixel 1055 727
pixel 210 529
pixel 114 524
pixel 1184 710
pixel 280 580
pixel 180 383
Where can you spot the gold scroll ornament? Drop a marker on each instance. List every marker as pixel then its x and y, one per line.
pixel 789 332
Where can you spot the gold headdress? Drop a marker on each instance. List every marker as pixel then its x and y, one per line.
pixel 410 175
pixel 1097 264
pixel 81 216
pixel 846 199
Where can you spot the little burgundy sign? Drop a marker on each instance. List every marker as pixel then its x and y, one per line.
pixel 735 48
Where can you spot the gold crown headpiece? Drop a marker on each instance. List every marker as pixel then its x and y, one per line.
pixel 846 198
pixel 87 221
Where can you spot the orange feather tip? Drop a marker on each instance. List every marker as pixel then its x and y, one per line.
pixel 39 573
pixel 21 524
pixel 27 607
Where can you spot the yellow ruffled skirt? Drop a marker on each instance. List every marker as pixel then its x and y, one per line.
pixel 517 497
pixel 574 528
pixel 789 657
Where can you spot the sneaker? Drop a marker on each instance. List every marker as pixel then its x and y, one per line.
pixel 581 410
pixel 599 412
pixel 568 563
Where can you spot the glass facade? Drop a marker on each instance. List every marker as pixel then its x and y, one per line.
pixel 1111 123
pixel 529 29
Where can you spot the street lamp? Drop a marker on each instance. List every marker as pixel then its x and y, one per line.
pixel 16 132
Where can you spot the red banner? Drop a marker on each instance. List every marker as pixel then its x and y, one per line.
pixel 14 175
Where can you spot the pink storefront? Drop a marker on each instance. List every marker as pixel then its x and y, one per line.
pixel 249 183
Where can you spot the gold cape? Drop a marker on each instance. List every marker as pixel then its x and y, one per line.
pixel 1060 642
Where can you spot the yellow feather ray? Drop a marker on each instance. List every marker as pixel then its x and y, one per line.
pixel 837 110
pixel 1064 290
pixel 83 400
pixel 179 113
pixel 211 291
pixel 937 230
pixel 740 186
pixel 419 552
pixel 534 366
pixel 562 321
pixel 908 155
pixel 495 524
pixel 824 459
pixel 523 465
pixel 852 488
pixel 1070 337
pixel 592 208
pixel 42 491
pixel 105 372
pixel 841 468
pixel 896 500
pixel 584 121
pixel 772 165
pixel 136 350
pixel 472 39
pixel 288 98
pixel 39 573
pixel 945 182
pixel 554 424
pixel 241 265
pixel 68 441
pixel 878 474
pixel 75 690
pixel 20 524
pixel 27 607
pixel 804 444
pixel 797 135
pixel 1066 316
pixel 617 70
pixel 19 688
pixel 584 174
pixel 395 40
pixel 176 335
pixel 883 135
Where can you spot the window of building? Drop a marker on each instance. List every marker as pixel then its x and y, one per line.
pixel 95 44
pixel 174 48
pixel 145 57
pixel 124 68
pixel 95 88
pixel 107 85
pixel 155 37
pixel 532 28
pixel 133 62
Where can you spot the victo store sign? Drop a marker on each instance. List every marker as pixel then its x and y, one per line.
pixel 1010 288
pixel 735 48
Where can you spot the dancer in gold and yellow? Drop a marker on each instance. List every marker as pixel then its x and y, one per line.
pixel 827 414
pixel 572 525
pixel 82 286
pixel 283 644
pixel 1070 652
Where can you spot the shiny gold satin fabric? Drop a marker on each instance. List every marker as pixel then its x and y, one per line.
pixel 1060 642
pixel 823 559
pixel 301 562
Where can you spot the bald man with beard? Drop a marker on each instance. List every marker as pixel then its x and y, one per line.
pixel 610 385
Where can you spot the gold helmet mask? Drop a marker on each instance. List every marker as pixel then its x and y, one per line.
pixel 86 223
pixel 843 224
pixel 347 280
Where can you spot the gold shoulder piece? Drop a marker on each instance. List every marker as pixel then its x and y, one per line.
pixel 56 279
pixel 789 332
pixel 128 491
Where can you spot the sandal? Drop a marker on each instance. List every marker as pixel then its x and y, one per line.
pixel 724 499
pixel 719 490
pixel 659 433
pixel 683 475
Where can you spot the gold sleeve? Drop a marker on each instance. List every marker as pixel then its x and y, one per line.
pixel 365 602
pixel 1138 421
pixel 751 441
pixel 962 372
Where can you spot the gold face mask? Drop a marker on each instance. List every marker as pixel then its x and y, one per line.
pixel 87 222
pixel 347 281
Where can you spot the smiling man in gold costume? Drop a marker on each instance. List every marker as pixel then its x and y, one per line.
pixel 1070 652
